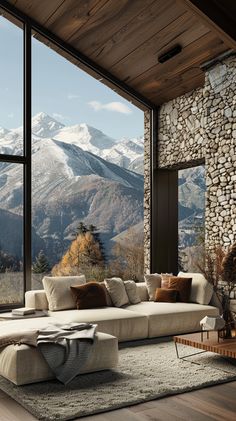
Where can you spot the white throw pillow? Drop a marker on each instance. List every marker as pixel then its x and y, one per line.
pixel 132 292
pixel 58 291
pixel 117 291
pixel 153 281
pixel 201 289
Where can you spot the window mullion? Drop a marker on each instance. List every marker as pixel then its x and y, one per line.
pixel 27 155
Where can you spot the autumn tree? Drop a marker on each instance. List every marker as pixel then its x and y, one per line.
pixel 84 255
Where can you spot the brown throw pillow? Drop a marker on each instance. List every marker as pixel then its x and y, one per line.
pixel 183 286
pixel 166 295
pixel 90 295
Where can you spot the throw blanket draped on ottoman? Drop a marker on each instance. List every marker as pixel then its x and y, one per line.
pixel 66 347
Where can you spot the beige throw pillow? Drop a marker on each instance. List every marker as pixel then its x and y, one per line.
pixel 108 297
pixel 132 292
pixel 201 290
pixel 117 291
pixel 58 291
pixel 153 281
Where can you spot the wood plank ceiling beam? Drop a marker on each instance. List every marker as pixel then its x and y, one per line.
pixel 83 61
pixel 219 16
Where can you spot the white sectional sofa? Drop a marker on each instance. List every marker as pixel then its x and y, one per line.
pixel 146 319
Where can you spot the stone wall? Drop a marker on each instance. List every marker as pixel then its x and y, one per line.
pixel 147 196
pixel 202 125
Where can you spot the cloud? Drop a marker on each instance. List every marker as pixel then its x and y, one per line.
pixel 116 106
pixel 72 96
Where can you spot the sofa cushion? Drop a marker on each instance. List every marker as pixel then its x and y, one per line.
pixel 173 318
pixel 117 291
pixel 58 291
pixel 183 286
pixel 201 290
pixel 132 292
pixel 142 291
pixel 15 367
pixel 36 299
pixel 90 295
pixel 125 325
pixel 166 295
pixel 153 281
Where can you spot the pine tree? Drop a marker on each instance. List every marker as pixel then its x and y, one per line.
pixel 81 229
pixel 41 264
pixel 92 228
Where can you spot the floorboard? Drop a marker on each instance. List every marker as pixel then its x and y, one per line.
pixel 216 403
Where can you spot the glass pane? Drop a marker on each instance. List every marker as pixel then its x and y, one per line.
pixel 87 185
pixel 11 241
pixel 191 217
pixel 11 88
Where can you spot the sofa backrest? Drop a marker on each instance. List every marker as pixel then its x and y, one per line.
pixel 37 299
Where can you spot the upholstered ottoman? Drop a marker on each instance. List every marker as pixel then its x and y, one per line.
pixel 22 364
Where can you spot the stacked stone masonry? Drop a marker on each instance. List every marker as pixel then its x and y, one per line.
pixel 202 125
pixel 147 196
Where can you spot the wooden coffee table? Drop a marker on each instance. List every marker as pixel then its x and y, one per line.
pixel 208 342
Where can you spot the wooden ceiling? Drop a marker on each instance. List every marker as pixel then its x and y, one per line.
pixel 126 37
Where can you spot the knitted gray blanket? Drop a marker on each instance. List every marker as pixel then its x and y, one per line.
pixel 66 347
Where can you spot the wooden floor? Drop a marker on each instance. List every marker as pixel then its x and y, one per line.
pixel 213 403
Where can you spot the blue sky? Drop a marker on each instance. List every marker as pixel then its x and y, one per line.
pixel 60 89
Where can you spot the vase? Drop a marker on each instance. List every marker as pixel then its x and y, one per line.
pixel 226 332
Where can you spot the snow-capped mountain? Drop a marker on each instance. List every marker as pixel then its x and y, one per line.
pixel 45 126
pixel 69 185
pixel 86 137
pixel 127 153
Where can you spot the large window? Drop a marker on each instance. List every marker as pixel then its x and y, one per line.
pixel 11 162
pixel 71 169
pixel 191 217
pixel 87 174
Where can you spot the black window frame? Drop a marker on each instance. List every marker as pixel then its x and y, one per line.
pixel 30 26
pixel 25 161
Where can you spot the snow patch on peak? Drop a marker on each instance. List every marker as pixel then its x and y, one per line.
pixel 43 125
pixel 86 137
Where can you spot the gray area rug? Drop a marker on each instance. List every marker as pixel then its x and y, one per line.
pixel 147 370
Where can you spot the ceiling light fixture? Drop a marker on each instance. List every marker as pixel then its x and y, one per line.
pixel 169 54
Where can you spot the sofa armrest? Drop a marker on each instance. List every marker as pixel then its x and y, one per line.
pixel 142 290
pixel 36 299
